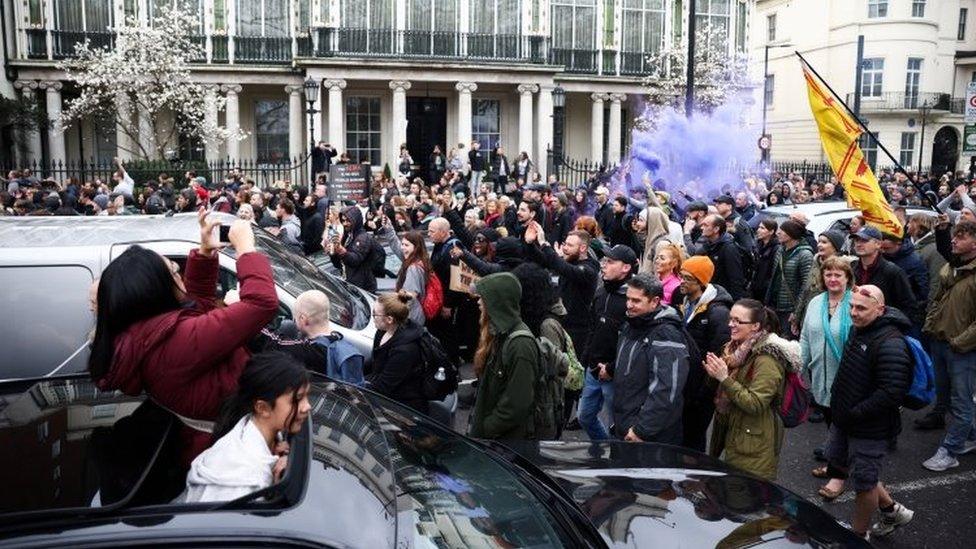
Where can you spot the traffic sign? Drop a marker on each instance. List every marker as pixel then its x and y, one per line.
pixel 765 142
pixel 969 138
pixel 971 103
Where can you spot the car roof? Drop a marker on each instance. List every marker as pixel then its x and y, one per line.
pixel 56 231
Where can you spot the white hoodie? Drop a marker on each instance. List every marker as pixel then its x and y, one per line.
pixel 236 465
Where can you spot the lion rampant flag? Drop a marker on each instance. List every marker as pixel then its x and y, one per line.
pixel 839 134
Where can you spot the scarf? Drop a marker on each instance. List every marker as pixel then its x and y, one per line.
pixel 735 355
pixel 844 310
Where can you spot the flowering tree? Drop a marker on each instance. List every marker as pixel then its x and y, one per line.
pixel 145 86
pixel 719 75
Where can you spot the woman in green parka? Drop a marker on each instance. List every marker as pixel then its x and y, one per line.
pixel 507 366
pixel 747 432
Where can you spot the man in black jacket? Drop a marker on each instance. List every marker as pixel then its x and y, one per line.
pixel 578 277
pixel 607 313
pixel 354 254
pixel 604 211
pixel 873 377
pixel 741 231
pixel 871 268
pixel 721 249
pixel 322 156
pixel 651 367
pixel 477 161
pixel 501 169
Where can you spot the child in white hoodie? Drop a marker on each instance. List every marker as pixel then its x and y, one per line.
pixel 271 398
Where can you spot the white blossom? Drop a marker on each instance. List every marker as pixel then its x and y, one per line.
pixel 147 72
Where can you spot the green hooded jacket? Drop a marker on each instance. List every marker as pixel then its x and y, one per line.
pixel 505 404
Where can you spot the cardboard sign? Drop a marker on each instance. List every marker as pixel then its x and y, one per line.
pixel 462 277
pixel 349 182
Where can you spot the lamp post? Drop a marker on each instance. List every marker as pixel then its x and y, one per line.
pixel 559 118
pixel 764 153
pixel 923 110
pixel 311 88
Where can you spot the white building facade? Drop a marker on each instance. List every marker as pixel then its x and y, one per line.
pixel 919 57
pixel 420 72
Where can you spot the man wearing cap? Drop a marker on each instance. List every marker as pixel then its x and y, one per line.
pixel 871 268
pixel 705 311
pixel 740 230
pixel 695 212
pixel 604 211
pixel 607 313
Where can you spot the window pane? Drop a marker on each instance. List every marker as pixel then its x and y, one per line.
pixel 271 125
pixel 485 123
pixel 67 15
pixel 98 15
pixel 363 137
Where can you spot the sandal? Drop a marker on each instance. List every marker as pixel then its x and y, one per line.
pixel 820 472
pixel 829 495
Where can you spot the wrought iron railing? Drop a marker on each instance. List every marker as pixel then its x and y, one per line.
pixel 64 41
pixel 899 101
pixel 262 49
pixel 575 60
pixel 220 52
pixel 36 44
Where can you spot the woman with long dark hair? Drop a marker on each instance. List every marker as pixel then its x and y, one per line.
pixel 250 452
pixel 765 257
pixel 396 352
pixel 162 334
pixel 415 269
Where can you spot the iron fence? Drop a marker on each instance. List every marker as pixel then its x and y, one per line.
pixel 142 171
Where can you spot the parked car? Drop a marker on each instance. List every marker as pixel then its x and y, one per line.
pixel 48 263
pixel 94 468
pixel 825 216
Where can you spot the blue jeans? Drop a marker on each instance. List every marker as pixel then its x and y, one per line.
pixel 940 363
pixel 962 375
pixel 596 394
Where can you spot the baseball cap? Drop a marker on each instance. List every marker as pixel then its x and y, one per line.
pixel 622 253
pixel 697 206
pixel 537 187
pixel 868 233
pixel 724 199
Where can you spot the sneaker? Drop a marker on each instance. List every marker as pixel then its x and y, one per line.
pixel 890 522
pixel 931 422
pixel 941 461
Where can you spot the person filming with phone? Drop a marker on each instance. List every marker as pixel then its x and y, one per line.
pixel 160 332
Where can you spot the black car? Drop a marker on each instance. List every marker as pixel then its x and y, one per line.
pixel 83 467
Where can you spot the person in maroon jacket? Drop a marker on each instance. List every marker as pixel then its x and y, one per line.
pixel 161 334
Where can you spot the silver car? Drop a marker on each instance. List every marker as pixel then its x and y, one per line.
pixel 47 265
pixel 825 216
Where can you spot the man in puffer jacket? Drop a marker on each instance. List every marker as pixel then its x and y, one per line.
pixel 651 367
pixel 873 378
pixel 901 252
pixel 355 253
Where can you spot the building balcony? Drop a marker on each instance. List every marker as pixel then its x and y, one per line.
pixel 901 101
pixel 437 45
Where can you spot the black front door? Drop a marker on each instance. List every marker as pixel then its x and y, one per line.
pixel 426 127
pixel 945 151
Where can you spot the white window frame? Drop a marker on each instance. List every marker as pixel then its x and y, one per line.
pixel 709 11
pixel 282 145
pixel 918 8
pixel 771 27
pixel 877 9
pixel 375 155
pixel 913 82
pixel 645 13
pixel 488 139
pixel 575 35
pixel 876 76
pixel 963 16
pixel 769 90
pixel 907 154
pixel 83 6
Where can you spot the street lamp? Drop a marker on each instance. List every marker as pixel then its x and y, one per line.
pixel 558 102
pixel 311 88
pixel 765 152
pixel 923 110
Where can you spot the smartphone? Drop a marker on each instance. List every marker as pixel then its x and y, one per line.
pixel 225 234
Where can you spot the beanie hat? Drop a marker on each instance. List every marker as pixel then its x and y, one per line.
pixel 793 228
pixel 699 266
pixel 836 239
pixel 491 235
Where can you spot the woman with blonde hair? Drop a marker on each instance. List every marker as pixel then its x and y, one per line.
pixel 667 264
pixel 396 352
pixel 589 224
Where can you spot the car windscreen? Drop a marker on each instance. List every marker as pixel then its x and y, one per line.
pixel 455 493
pixel 296 274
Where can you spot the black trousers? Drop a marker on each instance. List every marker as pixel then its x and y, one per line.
pixel 695 420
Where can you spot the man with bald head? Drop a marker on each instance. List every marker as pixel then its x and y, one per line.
pixel 442 326
pixel 872 379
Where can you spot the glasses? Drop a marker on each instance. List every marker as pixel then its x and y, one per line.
pixel 736 322
pixel 376 315
pixel 866 293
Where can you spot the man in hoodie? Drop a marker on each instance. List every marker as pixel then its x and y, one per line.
pixel 872 379
pixel 509 369
pixel 651 367
pixel 719 246
pixel 607 314
pixel 705 311
pixel 354 253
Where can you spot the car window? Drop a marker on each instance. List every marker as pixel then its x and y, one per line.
pixel 46 320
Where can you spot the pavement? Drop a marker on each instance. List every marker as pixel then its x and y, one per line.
pixel 944 503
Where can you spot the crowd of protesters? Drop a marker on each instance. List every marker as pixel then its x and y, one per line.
pixel 670 314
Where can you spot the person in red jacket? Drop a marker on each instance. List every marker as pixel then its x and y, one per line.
pixel 161 334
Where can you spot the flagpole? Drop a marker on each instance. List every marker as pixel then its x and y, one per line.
pixel 865 128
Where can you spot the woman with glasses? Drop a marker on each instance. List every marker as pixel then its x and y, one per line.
pixel 396 352
pixel 826 327
pixel 747 431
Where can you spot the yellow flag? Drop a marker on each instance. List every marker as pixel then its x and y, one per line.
pixel 839 134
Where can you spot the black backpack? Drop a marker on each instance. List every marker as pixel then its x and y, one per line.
pixel 440 374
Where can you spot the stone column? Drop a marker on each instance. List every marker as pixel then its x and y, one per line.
pixel 233 120
pixel 544 124
pixel 55 133
pixel 596 127
pixel 464 89
pixel 211 147
pixel 525 118
pixel 614 146
pixel 147 137
pixel 125 146
pixel 296 136
pixel 399 134
pixel 32 138
pixel 336 113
